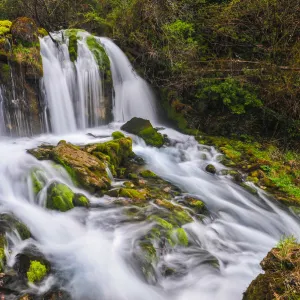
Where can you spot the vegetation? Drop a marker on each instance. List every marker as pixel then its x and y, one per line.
pixel 37 271
pixel 281 277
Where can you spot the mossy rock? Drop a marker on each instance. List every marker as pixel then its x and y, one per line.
pixel 281 277
pixel 85 169
pixel 10 222
pixel 117 152
pixel 211 169
pixel 43 152
pixel 148 174
pixel 117 135
pixel 144 129
pixel 132 194
pixel 59 197
pixel 79 200
pixel 197 205
pixel 24 31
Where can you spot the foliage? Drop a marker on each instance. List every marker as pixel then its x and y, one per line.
pixel 37 271
pixel 5 26
pixel 234 95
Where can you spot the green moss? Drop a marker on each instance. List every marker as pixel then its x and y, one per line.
pixel 73 47
pixel 37 271
pixel 211 169
pixel 144 129
pixel 37 180
pixel 182 217
pixel 80 200
pixel 152 137
pixel 132 194
pixel 182 237
pixel 99 54
pixel 163 223
pixel 148 174
pixel 117 135
pixel 132 176
pixel 5 26
pixel 42 32
pixel 118 150
pixel 60 197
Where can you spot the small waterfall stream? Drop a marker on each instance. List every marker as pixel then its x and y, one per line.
pixel 92 250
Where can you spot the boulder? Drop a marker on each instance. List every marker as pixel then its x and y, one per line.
pixel 144 129
pixel 61 197
pixel 211 169
pixel 85 169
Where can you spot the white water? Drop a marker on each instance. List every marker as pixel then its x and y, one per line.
pixel 74 92
pixel 133 97
pixel 92 250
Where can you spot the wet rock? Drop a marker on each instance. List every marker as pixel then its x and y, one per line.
pixel 115 153
pixel 117 135
pixel 9 223
pixel 144 129
pixel 79 200
pixel 85 169
pixel 61 197
pixel 148 174
pixel 197 205
pixel 43 152
pixel 211 169
pixel 281 277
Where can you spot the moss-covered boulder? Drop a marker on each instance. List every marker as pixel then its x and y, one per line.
pixel 117 135
pixel 24 31
pixel 211 169
pixel 144 129
pixel 85 169
pixel 116 152
pixel 36 272
pixel 281 277
pixel 10 223
pixel 148 174
pixel 61 197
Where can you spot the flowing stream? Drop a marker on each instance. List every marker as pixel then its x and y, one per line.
pixel 93 251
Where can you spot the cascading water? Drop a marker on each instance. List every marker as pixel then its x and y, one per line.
pixel 92 251
pixel 133 97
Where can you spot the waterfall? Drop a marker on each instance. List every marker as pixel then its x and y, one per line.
pixel 74 92
pixel 133 97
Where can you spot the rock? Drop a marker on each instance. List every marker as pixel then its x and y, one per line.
pixel 211 169
pixel 117 135
pixel 10 222
pixel 148 174
pixel 85 169
pixel 61 197
pixel 144 129
pixel 197 205
pixel 43 152
pixel 116 153
pixel 24 31
pixel 281 277
pixel 79 200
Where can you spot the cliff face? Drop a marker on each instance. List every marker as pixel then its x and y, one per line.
pixel 20 73
pixel 281 279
